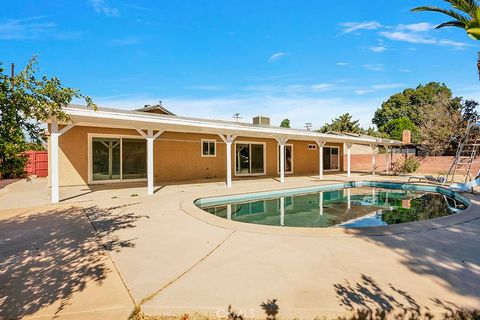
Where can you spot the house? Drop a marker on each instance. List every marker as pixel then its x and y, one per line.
pixel 154 145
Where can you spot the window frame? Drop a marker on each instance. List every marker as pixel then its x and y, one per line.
pixel 208 141
pixel 250 164
pixel 90 137
pixel 278 158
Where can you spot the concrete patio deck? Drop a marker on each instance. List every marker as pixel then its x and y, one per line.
pixel 163 253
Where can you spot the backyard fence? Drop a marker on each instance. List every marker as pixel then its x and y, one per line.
pixel 429 164
pixel 37 164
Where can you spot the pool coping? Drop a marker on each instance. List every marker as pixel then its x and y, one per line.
pixel 472 212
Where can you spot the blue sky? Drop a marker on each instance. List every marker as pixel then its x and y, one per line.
pixel 305 60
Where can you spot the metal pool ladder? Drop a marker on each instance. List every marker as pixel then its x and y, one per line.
pixel 467 152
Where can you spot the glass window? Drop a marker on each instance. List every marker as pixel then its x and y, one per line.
pixel 208 148
pixel 105 159
pixel 134 159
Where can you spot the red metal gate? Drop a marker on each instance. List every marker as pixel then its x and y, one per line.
pixel 37 163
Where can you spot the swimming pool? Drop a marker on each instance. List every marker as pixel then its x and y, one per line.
pixel 351 205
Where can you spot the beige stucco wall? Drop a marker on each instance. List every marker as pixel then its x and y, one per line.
pixel 177 156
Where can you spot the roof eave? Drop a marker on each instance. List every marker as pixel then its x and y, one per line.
pixel 149 121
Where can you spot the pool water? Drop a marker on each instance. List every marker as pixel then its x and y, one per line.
pixel 352 207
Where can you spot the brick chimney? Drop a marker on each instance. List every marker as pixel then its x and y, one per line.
pixel 407 137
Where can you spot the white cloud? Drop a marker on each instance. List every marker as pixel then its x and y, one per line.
pixel 373 67
pixel 28 28
pixel 124 42
pixel 379 87
pixel 321 87
pixel 342 64
pixel 362 91
pixel 405 70
pixel 349 27
pixel 418 33
pixel 33 28
pixel 276 56
pixel 417 27
pixel 101 6
pixel 387 86
pixel 299 110
pixel 410 37
pixel 377 49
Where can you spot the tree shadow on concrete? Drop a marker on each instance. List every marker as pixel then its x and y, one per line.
pixel 367 297
pixel 46 257
pixel 271 308
pixel 450 254
pixel 367 300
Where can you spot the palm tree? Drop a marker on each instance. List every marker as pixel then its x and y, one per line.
pixel 465 14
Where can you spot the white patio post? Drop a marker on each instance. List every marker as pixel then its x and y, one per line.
pixel 229 211
pixel 281 142
pixel 150 161
pixel 387 160
pixel 373 147
pixel 320 202
pixel 54 135
pixel 150 139
pixel 228 139
pixel 349 148
pixel 320 144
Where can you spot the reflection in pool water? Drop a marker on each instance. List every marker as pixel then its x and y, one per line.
pixel 350 207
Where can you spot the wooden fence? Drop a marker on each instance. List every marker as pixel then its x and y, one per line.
pixel 37 163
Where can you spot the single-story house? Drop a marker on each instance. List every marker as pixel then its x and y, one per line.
pixel 154 145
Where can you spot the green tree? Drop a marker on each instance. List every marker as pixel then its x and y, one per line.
pixel 374 133
pixel 394 128
pixel 285 123
pixel 465 15
pixel 343 123
pixel 408 103
pixel 25 102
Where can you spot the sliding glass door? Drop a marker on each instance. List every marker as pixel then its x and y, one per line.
pixel 249 159
pixel 118 159
pixel 106 159
pixel 331 158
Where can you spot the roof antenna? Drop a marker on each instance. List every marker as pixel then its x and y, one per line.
pixel 160 103
pixel 236 116
pixel 308 126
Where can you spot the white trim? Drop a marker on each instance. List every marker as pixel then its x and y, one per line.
pixel 90 137
pixel 264 159
pixel 66 128
pixel 278 158
pixel 201 148
pixel 153 121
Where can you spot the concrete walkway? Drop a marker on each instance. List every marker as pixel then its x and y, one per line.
pixel 175 261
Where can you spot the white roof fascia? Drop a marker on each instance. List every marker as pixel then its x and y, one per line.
pixel 149 121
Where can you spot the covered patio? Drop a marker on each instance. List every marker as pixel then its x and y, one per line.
pixel 151 127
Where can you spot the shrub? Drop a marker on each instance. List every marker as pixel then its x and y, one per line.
pixel 406 165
